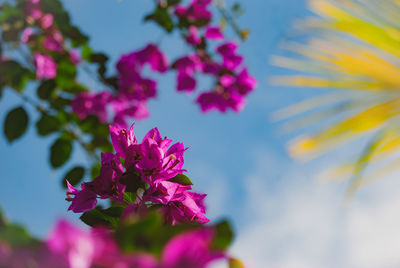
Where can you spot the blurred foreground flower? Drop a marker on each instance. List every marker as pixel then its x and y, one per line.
pixel 354 49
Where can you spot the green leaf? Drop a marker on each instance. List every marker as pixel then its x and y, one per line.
pixel 224 235
pixel 60 152
pixel 181 179
pixel 86 52
pixel 106 217
pixel 16 123
pixel 46 88
pixel 59 103
pixel 66 74
pixel 47 124
pixel 98 58
pixel 162 18
pixel 95 170
pixel 74 176
pixel 15 235
pixel 12 74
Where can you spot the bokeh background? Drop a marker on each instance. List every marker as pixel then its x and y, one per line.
pixel 283 216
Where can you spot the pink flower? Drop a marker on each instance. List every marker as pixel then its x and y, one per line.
pixel 153 56
pixel 186 82
pixel 85 104
pixel 124 108
pixel 214 33
pixel 26 34
pixel 33 9
pixel 193 37
pixel 91 249
pixel 74 56
pixel 245 82
pixel 221 101
pixel 190 249
pixel 105 186
pixel 46 21
pixel 189 64
pixel 180 205
pixel 54 41
pixel 45 66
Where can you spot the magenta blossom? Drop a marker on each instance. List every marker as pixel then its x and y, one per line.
pixel 91 249
pixel 190 249
pixel 26 34
pixel 33 9
pixel 180 205
pixel 105 186
pixel 54 41
pixel 45 66
pixel 85 104
pixel 46 21
pixel 213 33
pixel 193 36
pixel 74 57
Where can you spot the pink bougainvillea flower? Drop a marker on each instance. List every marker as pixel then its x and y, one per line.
pixel 83 200
pixel 245 82
pixel 33 9
pixel 26 34
pixel 185 82
pixel 153 56
pixel 86 103
pixel 193 36
pixel 74 56
pixel 122 139
pixel 221 101
pixel 227 80
pixel 213 33
pixel 158 162
pixel 91 249
pixel 227 49
pixel 45 66
pixel 124 108
pixel 46 21
pixel 188 64
pixel 190 249
pixel 54 41
pixel 180 205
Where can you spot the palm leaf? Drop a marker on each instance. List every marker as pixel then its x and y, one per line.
pixel 354 54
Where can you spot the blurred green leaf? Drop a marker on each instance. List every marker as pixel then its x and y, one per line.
pixel 12 74
pixel 66 74
pixel 161 16
pixel 181 179
pixel 98 58
pixel 95 170
pixel 224 235
pixel 105 217
pixel 74 176
pixel 148 234
pixel 16 123
pixel 86 52
pixel 46 88
pixel 47 124
pixel 15 235
pixel 59 103
pixel 60 152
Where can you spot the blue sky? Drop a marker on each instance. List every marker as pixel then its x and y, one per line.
pixel 240 160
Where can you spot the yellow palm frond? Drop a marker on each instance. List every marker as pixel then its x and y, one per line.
pixel 354 52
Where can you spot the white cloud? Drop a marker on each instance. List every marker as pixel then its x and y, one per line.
pixel 303 223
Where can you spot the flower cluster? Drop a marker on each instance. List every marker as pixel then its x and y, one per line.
pixel 51 40
pixel 151 169
pixel 233 82
pixel 68 246
pixel 133 92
